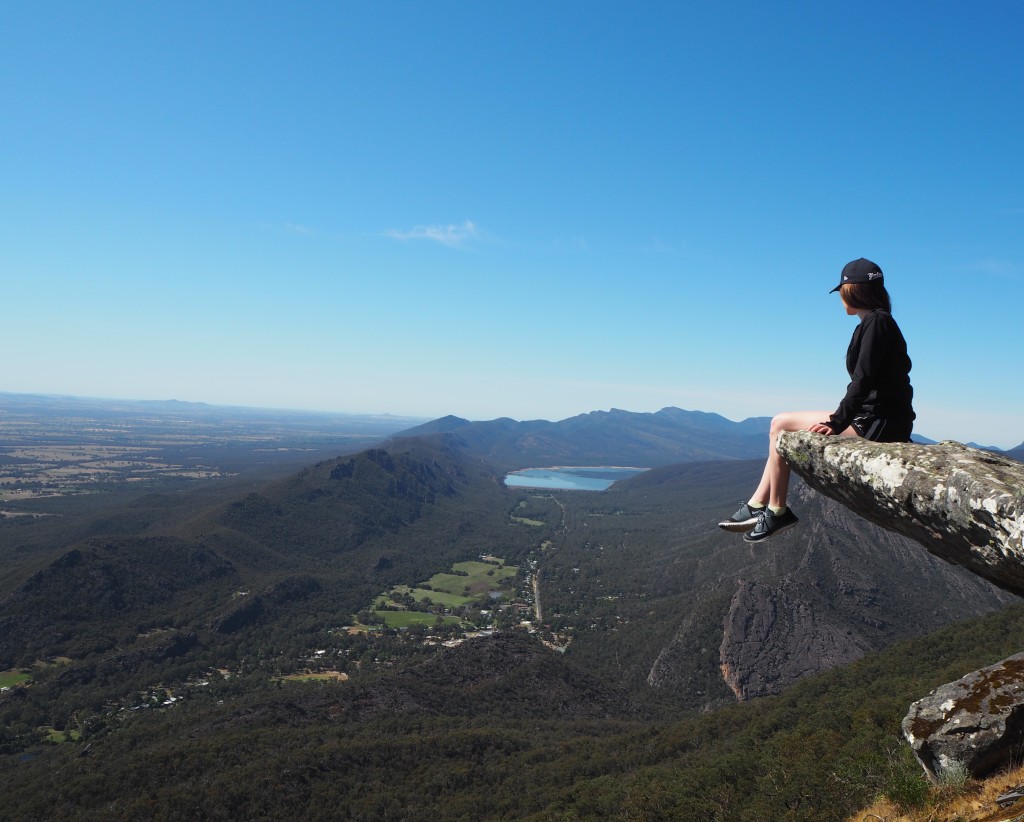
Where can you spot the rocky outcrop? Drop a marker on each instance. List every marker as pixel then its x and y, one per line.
pixel 975 723
pixel 774 637
pixel 962 504
pixel 834 589
pixel 966 506
pixel 239 615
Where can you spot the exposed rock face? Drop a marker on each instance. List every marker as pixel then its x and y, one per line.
pixel 831 591
pixel 774 637
pixel 967 507
pixel 238 616
pixel 976 722
pixel 962 504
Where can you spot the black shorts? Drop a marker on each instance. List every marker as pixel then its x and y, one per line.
pixel 880 429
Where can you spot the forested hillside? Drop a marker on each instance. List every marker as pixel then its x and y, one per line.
pixel 332 536
pixel 201 657
pixel 509 731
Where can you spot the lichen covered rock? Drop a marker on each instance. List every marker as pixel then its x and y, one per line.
pixel 962 504
pixel 975 723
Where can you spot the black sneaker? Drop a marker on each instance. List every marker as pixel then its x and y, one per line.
pixel 742 521
pixel 769 524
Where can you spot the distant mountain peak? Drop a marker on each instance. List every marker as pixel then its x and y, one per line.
pixel 442 425
pixel 613 437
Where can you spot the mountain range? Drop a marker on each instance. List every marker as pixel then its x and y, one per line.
pixel 671 435
pixel 612 437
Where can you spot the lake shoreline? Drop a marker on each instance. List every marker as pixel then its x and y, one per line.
pixel 571 477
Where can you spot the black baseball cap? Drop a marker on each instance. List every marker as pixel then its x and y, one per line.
pixel 858 271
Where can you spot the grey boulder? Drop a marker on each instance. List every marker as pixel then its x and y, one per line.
pixel 974 724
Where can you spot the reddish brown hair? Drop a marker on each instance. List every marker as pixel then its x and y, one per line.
pixel 867 296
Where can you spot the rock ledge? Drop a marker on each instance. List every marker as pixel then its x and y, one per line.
pixel 962 504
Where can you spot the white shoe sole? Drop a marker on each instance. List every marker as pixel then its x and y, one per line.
pixel 737 527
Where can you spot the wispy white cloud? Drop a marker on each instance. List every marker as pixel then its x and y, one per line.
pixel 453 236
pixel 997 268
pixel 572 243
pixel 295 228
pixel 656 247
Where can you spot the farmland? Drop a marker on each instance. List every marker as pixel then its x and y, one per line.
pixel 65 446
pixel 464 597
pixel 9 679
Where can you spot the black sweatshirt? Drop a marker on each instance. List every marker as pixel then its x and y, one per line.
pixel 879 377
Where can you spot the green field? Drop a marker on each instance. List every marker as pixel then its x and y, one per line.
pixel 527 521
pixel 406 619
pixel 481 578
pixel 53 735
pixel 469 582
pixel 484 568
pixel 454 590
pixel 322 676
pixel 439 597
pixel 13 677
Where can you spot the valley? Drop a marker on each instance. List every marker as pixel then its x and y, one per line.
pixel 397 633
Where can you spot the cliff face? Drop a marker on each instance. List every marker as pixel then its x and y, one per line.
pixel 832 590
pixel 773 636
pixel 962 504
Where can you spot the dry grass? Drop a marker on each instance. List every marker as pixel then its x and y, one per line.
pixel 974 802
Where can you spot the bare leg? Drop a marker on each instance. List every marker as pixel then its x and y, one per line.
pixel 774 485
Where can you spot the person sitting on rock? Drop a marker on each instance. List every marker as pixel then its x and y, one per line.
pixel 877 405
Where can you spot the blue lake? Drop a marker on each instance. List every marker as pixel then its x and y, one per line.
pixel 570 477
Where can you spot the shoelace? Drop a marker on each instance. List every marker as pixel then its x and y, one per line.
pixel 762 519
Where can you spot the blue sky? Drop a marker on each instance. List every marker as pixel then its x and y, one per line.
pixel 525 209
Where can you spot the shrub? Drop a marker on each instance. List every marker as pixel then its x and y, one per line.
pixel 905 785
